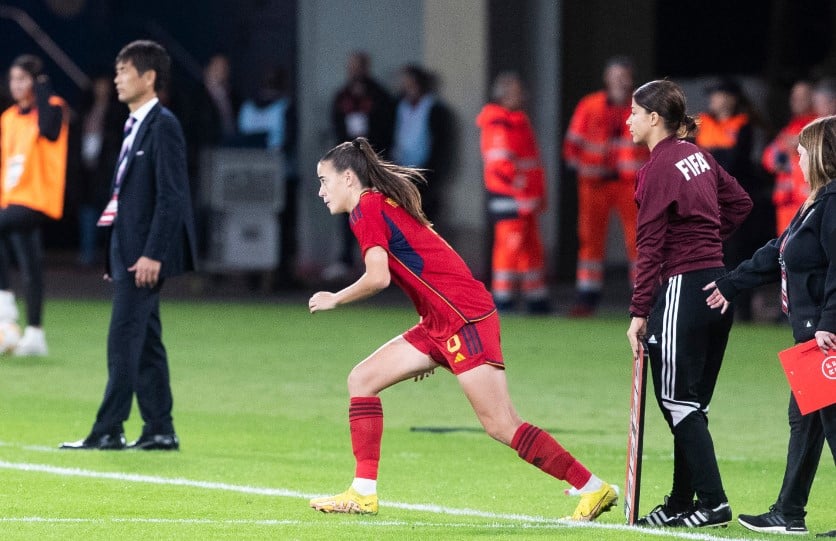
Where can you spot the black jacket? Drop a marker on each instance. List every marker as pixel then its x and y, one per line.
pixel 810 259
pixel 155 216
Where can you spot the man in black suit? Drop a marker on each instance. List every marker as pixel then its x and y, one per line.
pixel 151 237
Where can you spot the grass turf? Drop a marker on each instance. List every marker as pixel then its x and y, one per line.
pixel 261 408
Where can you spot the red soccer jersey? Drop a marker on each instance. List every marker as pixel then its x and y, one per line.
pixel 431 273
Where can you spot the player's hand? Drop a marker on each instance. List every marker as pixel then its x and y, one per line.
pixel 635 334
pixel 322 300
pixel 147 271
pixel 426 374
pixel 826 341
pixel 716 299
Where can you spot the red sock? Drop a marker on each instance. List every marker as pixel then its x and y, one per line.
pixel 537 447
pixel 365 418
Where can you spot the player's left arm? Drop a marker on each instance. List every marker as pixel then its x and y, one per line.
pixel 375 279
pixel 51 117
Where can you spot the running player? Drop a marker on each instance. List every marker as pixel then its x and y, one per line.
pixel 458 329
pixel 687 205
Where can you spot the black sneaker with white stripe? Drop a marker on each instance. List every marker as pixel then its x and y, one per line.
pixel 662 515
pixel 773 521
pixel 705 517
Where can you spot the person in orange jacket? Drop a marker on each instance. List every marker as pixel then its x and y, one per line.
pixel 599 149
pixel 727 131
pixel 780 158
pixel 516 187
pixel 33 156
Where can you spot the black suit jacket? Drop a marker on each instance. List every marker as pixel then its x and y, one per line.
pixel 155 217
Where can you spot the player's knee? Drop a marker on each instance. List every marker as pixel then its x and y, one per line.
pixel 357 382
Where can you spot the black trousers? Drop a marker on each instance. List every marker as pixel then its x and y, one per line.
pixel 686 341
pixel 807 435
pixel 22 227
pixel 137 362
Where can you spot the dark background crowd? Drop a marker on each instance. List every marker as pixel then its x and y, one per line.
pixel 236 84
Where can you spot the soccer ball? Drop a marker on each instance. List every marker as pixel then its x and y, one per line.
pixel 9 336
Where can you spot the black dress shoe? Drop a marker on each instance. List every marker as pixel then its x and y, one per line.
pixel 103 442
pixel 156 442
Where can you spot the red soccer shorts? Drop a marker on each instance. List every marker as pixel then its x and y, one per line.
pixel 473 345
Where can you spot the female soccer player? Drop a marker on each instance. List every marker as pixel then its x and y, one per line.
pixel 687 205
pixel 458 329
pixel 803 258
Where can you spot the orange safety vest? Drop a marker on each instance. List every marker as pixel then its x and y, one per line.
pixel 511 157
pixel 714 133
pixel 598 143
pixel 780 158
pixel 34 169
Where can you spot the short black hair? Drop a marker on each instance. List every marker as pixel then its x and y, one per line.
pixel 422 77
pixel 147 55
pixel 621 60
pixel 29 63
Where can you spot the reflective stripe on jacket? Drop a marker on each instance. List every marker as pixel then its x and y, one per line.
pixel 511 157
pixel 598 143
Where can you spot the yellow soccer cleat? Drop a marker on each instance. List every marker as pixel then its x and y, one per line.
pixel 348 502
pixel 594 503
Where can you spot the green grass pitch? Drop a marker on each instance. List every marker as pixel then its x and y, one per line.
pixel 261 410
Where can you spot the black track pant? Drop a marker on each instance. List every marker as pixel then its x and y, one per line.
pixel 21 226
pixel 807 436
pixel 686 341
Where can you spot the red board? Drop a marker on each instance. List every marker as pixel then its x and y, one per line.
pixel 811 375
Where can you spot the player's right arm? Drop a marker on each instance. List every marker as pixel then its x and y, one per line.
pixel 375 279
pixel 636 333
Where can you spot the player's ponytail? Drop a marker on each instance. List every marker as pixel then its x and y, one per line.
pixel 394 181
pixel 687 127
pixel 667 99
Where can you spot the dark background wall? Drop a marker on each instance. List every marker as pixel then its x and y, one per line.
pixel 254 33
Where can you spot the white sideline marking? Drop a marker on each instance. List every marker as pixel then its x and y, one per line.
pixel 138 478
pixel 661 455
pixel 267 522
pixel 527 521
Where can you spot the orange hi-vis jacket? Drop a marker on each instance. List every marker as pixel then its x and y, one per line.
pixel 780 157
pixel 34 169
pixel 598 144
pixel 714 133
pixel 512 166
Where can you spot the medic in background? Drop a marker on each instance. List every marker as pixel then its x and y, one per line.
pixel 780 158
pixel 516 186
pixel 599 148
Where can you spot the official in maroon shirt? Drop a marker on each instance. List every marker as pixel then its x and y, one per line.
pixel 687 205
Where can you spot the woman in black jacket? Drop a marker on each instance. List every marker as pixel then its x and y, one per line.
pixel 803 258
